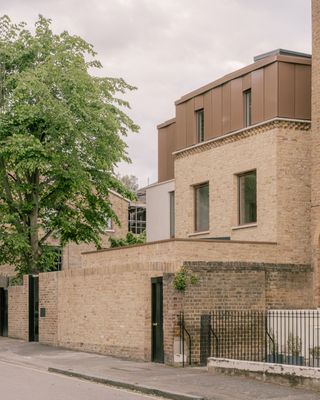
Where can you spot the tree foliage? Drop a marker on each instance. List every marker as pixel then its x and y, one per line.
pixel 61 136
pixel 130 181
pixel 129 240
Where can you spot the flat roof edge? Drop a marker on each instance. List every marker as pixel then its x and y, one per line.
pixel 282 52
pixel 166 123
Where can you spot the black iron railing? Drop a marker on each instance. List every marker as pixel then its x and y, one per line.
pixel 183 334
pixel 276 336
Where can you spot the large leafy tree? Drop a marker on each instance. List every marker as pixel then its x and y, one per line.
pixel 61 135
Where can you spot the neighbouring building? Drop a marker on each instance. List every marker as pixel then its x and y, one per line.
pixel 71 254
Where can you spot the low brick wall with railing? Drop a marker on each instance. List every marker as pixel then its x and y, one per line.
pixel 231 286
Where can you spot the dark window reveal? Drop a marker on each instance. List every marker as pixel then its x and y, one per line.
pixel 200 125
pixel 202 207
pixel 248 198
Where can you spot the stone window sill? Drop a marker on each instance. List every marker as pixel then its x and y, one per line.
pixel 254 225
pixel 199 233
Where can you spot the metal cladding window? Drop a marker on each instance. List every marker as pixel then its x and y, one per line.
pixel 247 197
pixel 200 125
pixel 201 207
pixel 247 107
pixel 172 214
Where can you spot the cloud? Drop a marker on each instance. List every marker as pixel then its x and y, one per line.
pixel 170 47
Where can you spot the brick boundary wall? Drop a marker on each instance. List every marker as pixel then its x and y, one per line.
pixel 232 286
pixel 108 310
pixel 102 310
pixel 180 250
pixel 18 310
pixel 48 299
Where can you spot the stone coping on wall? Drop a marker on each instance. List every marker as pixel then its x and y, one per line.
pixel 178 240
pixel 246 266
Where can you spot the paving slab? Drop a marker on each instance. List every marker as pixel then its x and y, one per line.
pixel 196 382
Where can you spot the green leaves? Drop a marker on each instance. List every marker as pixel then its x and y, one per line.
pixel 129 240
pixel 183 278
pixel 61 136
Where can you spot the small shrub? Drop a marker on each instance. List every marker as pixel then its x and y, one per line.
pixel 183 278
pixel 129 240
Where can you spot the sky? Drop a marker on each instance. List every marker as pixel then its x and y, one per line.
pixel 167 48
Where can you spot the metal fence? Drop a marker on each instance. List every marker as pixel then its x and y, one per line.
pixel 274 336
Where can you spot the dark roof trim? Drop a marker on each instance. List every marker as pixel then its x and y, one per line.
pixel 166 123
pixel 281 52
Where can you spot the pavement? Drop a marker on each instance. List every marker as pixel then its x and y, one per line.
pixel 26 383
pixel 151 378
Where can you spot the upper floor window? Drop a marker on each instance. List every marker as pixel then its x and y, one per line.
pixel 202 207
pixel 247 107
pixel 172 214
pixel 247 198
pixel 200 125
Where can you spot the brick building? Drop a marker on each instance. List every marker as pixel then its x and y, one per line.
pixel 239 174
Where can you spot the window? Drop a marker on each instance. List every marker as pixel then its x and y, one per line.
pixel 200 125
pixel 109 224
pixel 247 198
pixel 172 215
pixel 247 107
pixel 137 219
pixel 202 207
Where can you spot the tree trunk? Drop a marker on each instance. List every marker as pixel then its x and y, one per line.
pixel 34 230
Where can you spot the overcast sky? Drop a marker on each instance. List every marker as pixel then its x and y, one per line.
pixel 169 47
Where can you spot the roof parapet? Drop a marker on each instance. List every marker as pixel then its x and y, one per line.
pixel 281 52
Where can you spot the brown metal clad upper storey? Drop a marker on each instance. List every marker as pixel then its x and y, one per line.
pixel 277 84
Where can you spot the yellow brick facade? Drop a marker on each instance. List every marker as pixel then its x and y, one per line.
pixel 315 145
pixel 71 257
pixel 279 151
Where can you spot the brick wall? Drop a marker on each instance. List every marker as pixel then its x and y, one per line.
pixel 18 313
pixel 48 299
pixel 180 250
pixel 232 286
pixel 280 153
pixel 6 270
pixel 315 145
pixel 105 310
pixel 293 192
pixel 72 252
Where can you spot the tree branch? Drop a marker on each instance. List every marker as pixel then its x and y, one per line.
pixel 45 237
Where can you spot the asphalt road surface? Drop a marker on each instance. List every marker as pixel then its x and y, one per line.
pixel 25 383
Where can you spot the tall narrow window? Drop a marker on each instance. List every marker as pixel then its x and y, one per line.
pixel 202 207
pixel 247 107
pixel 200 125
pixel 247 198
pixel 172 215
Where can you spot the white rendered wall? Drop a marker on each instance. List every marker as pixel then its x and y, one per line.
pixel 158 210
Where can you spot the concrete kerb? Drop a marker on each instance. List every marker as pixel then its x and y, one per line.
pixel 289 375
pixel 128 386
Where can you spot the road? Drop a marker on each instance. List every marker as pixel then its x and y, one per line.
pixel 26 383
